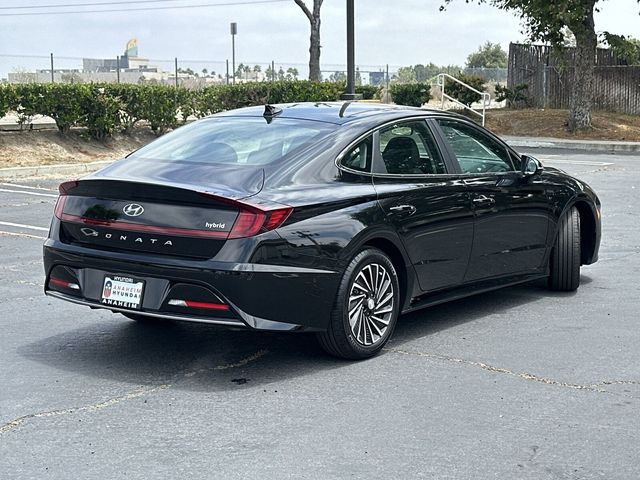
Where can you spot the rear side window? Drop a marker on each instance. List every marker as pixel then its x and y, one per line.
pixel 235 140
pixel 409 149
pixel 359 157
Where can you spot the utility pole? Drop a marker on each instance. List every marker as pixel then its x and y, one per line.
pixel 234 32
pixel 52 77
pixel 227 72
pixel 351 94
pixel 118 68
pixel 176 70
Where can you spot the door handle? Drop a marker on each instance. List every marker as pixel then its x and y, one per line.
pixel 483 200
pixel 402 210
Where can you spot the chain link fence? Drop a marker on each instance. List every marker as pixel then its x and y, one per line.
pixel 15 68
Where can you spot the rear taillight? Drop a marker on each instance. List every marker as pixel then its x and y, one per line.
pixel 63 189
pixel 252 219
pixel 57 211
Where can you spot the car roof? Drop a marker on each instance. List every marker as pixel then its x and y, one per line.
pixel 338 113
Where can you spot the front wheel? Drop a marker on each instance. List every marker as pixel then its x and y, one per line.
pixel 564 275
pixel 366 308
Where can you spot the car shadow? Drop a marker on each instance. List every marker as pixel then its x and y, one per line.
pixel 208 358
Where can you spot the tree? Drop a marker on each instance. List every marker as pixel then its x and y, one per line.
pixel 489 55
pixel 292 73
pixel 406 74
pixel 314 43
pixel 204 72
pixel 627 49
pixel 281 75
pixel 239 70
pixel 548 21
pixel 270 73
pixel 337 77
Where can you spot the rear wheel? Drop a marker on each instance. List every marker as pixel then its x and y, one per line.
pixel 366 309
pixel 564 265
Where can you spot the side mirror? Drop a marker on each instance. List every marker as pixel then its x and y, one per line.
pixel 531 166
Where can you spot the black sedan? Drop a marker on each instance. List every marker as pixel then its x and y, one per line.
pixel 330 218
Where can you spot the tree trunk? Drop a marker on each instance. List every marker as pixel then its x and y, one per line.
pixel 584 71
pixel 314 52
pixel 314 48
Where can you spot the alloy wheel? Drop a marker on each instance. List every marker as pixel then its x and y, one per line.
pixel 370 304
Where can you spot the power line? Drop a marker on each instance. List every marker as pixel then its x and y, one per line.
pixel 96 4
pixel 206 5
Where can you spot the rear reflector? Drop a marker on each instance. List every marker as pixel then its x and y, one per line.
pixel 193 304
pixel 61 283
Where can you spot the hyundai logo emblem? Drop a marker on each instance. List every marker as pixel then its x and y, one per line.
pixel 89 232
pixel 133 210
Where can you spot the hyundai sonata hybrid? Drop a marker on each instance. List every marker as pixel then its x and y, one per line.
pixel 332 218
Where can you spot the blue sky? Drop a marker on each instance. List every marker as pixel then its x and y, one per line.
pixel 399 32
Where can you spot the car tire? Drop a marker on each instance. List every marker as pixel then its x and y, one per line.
pixel 366 309
pixel 564 264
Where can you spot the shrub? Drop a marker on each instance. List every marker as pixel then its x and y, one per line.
pixel 131 99
pixel 24 101
pixel 462 93
pixel 412 94
pixel 160 108
pixel 5 99
pixel 101 111
pixel 103 108
pixel 61 102
pixel 516 97
pixel 369 92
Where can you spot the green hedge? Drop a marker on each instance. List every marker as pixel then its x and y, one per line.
pixel 412 94
pixel 105 108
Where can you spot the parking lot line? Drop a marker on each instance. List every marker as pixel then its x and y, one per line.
pixel 29 187
pixel 20 225
pixel 29 193
pixel 575 162
pixel 26 235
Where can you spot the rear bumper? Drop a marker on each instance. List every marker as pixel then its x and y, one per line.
pixel 259 296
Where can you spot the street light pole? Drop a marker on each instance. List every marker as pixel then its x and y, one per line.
pixel 351 94
pixel 234 31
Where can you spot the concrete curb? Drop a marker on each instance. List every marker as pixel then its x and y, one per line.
pixel 567 144
pixel 67 169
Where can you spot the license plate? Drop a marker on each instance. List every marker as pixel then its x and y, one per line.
pixel 123 292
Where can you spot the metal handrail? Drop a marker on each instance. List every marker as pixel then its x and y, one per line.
pixel 486 97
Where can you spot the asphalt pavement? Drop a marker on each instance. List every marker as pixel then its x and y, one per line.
pixel 519 383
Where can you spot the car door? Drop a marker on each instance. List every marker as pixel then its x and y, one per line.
pixel 511 212
pixel 428 207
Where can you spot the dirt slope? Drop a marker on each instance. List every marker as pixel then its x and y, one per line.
pixel 46 147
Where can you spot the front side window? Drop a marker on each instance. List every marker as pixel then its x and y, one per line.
pixel 409 149
pixel 476 153
pixel 234 140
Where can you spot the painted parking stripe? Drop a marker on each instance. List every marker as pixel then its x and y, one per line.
pixel 576 162
pixel 26 235
pixel 28 187
pixel 29 193
pixel 20 225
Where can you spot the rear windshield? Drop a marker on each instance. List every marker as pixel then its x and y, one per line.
pixel 235 140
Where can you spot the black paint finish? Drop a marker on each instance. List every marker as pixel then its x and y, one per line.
pixel 449 235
